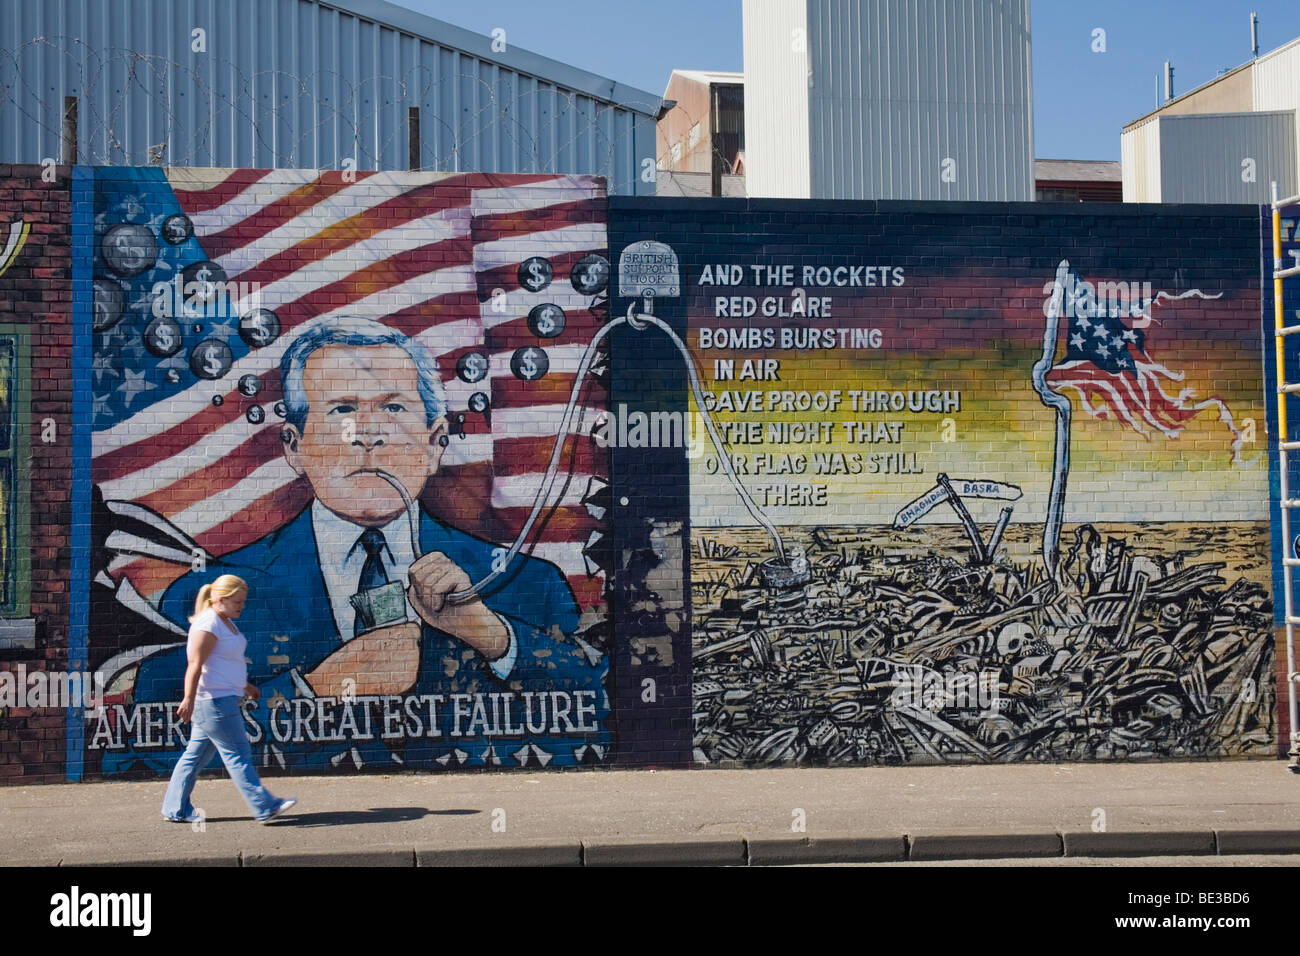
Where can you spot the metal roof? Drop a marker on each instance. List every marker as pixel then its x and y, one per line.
pixel 514 57
pixel 1077 170
pixel 711 76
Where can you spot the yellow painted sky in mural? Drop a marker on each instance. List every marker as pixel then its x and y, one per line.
pixel 979 418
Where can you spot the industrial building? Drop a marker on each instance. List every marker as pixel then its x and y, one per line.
pixel 701 135
pixel 940 108
pixel 1224 141
pixel 1077 180
pixel 361 84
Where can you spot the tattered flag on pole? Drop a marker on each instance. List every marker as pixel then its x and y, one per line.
pixel 1107 364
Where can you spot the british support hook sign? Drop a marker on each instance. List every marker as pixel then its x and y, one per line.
pixel 647 270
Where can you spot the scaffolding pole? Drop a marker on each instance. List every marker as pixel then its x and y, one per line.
pixel 1289 560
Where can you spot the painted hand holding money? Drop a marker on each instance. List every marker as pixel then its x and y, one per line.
pixel 433 577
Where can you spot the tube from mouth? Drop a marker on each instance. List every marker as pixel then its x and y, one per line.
pixel 406 500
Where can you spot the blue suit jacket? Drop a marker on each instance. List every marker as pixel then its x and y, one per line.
pixel 551 708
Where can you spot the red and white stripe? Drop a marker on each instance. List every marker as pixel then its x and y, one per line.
pixel 1138 396
pixel 424 253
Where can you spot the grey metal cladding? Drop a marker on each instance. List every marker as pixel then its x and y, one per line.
pixel 1227 157
pixel 900 86
pixel 308 84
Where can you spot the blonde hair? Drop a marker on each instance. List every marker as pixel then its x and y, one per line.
pixel 224 586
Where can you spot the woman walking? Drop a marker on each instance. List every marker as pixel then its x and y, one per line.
pixel 215 681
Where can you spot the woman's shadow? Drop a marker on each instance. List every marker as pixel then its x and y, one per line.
pixel 334 818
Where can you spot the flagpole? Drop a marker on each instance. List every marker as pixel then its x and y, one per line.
pixel 1056 501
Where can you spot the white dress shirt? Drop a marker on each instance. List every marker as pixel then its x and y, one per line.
pixel 338 545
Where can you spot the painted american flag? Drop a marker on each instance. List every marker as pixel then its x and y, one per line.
pixel 1107 365
pixel 430 254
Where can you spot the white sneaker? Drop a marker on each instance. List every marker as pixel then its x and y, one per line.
pixel 195 817
pixel 278 809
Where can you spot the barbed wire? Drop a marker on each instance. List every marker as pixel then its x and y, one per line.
pixel 102 140
pixel 715 153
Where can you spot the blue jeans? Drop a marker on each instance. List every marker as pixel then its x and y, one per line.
pixel 218 727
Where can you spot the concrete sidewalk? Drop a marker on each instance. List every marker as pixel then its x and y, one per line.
pixel 689 816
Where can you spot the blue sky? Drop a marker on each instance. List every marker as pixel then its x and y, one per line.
pixel 1081 98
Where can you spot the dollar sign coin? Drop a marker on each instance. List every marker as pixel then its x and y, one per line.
pixel 535 274
pixel 478 402
pixel 203 282
pixel 211 359
pixel 129 249
pixel 472 367
pixel 281 409
pixel 177 229
pixel 529 364
pixel 249 385
pixel 259 328
pixel 255 415
pixel 546 321
pixel 109 301
pixel 590 274
pixel 173 377
pixel 163 337
pixel 218 400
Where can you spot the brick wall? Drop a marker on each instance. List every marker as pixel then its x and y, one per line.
pixel 901 642
pixel 902 569
pixel 36 299
pixel 439 322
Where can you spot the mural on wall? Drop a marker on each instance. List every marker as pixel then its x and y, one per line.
pixel 346 389
pixel 821 499
pixel 16 233
pixel 969 519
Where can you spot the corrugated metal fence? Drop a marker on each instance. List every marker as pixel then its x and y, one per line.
pixel 301 83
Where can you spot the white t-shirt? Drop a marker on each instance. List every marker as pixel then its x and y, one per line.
pixel 224 672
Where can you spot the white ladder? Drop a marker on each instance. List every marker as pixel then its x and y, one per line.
pixel 1284 445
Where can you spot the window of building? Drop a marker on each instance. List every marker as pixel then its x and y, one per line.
pixel 1056 194
pixel 677 153
pixel 695 135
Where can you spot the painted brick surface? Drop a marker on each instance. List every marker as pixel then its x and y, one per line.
pixel 36 343
pixel 340 388
pixel 998 491
pixel 1100 586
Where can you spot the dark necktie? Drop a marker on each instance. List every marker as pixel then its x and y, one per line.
pixel 372 572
